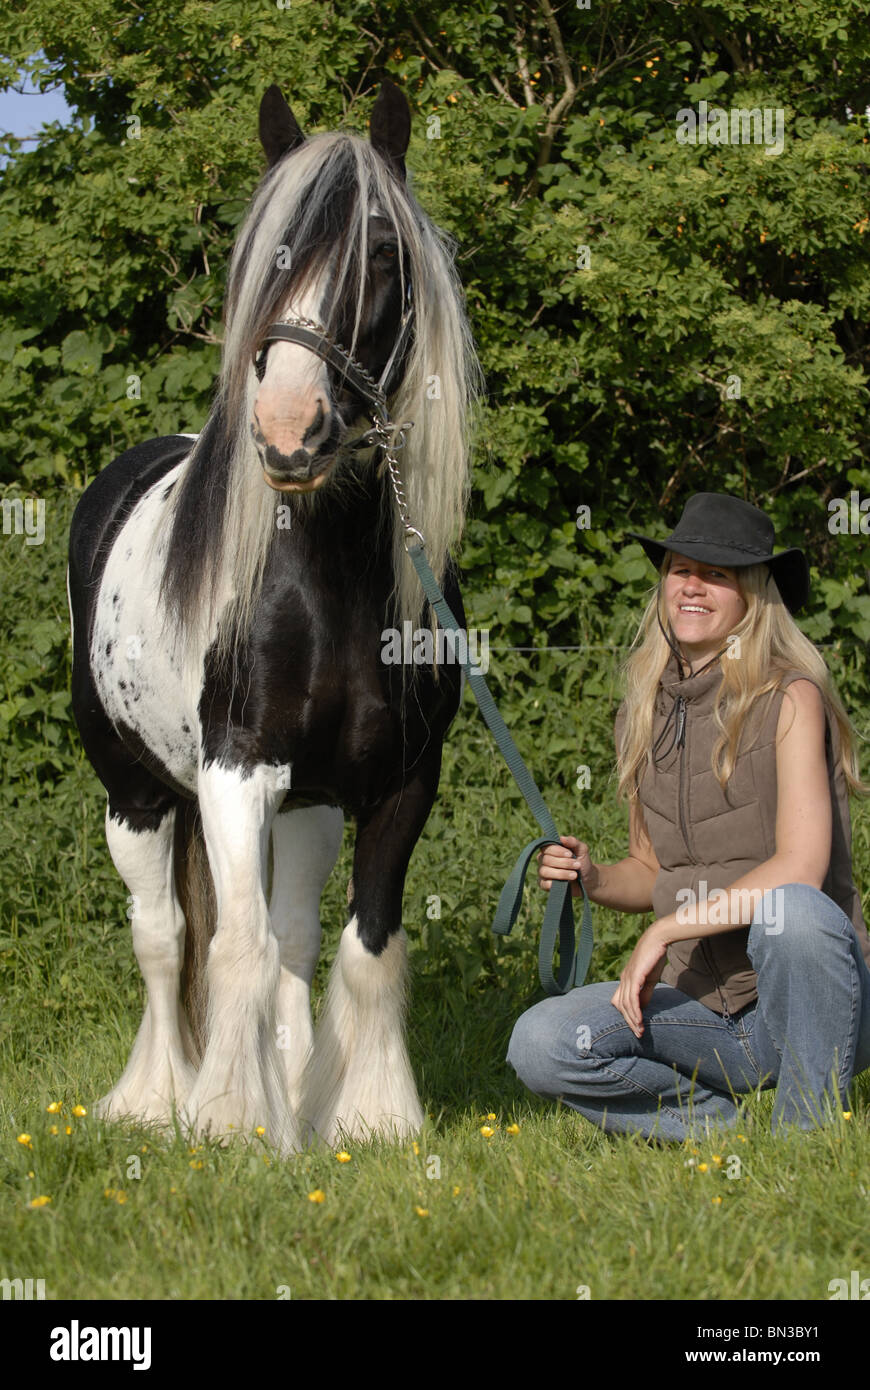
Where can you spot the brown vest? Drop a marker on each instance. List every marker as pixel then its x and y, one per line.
pixel 702 834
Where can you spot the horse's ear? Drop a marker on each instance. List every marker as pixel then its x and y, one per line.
pixel 279 129
pixel 391 126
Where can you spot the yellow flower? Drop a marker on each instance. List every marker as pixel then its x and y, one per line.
pixel 491 1116
pixel 512 1129
pixel 648 63
pixel 317 1195
pixel 343 1157
pixel 79 1111
pixel 717 1201
pixel 486 1131
pixel 25 1140
pixel 456 1191
pixel 39 1202
pixel 742 1138
pixel 68 1129
pixel 53 1129
pixel 717 1159
pixel 415 1147
pixel 115 1194
pixel 31 1174
pixel 55 1108
pixel 702 1167
pixel 422 1211
pixel 261 1130
pixel 847 1114
pixel 196 1163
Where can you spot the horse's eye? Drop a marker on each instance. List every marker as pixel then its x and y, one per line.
pixel 386 251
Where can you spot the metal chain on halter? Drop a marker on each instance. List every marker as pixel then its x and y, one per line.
pixel 390 437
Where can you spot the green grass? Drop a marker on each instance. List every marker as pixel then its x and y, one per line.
pixel 531 1215
pixel 537 1214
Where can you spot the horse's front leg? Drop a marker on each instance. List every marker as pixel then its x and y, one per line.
pixel 240 1085
pixel 359 1081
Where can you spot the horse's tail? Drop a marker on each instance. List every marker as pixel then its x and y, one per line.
pixel 193 882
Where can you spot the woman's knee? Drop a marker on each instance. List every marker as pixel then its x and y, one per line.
pixel 557 1033
pixel 790 920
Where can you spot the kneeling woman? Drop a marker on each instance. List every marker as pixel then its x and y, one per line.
pixel 737 756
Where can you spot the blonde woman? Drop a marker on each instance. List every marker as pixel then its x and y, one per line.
pixel 737 759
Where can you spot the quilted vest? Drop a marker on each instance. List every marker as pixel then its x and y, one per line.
pixel 703 835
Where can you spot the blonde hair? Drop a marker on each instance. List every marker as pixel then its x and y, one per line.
pixel 770 644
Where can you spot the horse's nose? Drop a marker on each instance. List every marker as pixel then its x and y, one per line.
pixel 291 423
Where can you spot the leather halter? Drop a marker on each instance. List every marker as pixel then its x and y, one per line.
pixel 309 334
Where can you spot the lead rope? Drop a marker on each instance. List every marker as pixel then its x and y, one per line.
pixel 559 912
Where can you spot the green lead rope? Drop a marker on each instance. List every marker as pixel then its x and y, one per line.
pixel 559 913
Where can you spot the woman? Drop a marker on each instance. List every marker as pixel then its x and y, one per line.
pixel 736 755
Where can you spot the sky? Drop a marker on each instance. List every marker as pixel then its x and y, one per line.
pixel 22 113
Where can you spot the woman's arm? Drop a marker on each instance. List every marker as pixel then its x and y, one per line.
pixel 626 886
pixel 803 850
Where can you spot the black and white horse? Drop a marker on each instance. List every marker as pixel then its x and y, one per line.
pixel 228 593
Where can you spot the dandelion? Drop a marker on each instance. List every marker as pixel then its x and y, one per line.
pixel 456 1191
pixel 717 1201
pixel 79 1111
pixel 55 1108
pixel 54 1130
pixel 25 1140
pixel 343 1156
pixel 317 1196
pixel 68 1129
pixel 717 1159
pixel 260 1130
pixel 847 1114
pixel 422 1211
pixel 491 1116
pixel 38 1202
pixel 31 1174
pixel 487 1131
pixel 512 1129
pixel 702 1167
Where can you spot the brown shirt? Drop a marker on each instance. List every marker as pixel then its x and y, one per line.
pixel 706 838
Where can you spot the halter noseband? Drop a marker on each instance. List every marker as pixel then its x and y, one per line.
pixel 309 334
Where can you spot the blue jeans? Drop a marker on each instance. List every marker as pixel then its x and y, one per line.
pixel 808 1034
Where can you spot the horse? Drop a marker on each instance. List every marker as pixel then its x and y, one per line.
pixel 229 595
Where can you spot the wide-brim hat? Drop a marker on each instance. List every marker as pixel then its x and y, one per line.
pixel 722 530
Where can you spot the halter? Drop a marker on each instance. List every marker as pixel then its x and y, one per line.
pixel 385 433
pixel 312 335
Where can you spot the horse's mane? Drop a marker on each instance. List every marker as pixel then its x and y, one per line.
pixel 316 202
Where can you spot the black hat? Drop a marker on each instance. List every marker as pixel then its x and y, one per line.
pixel 724 530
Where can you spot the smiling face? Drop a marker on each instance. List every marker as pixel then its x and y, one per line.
pixel 704 605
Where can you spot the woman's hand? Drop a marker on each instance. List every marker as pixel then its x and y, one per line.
pixel 555 863
pixel 640 977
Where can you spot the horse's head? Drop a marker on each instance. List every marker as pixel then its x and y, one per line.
pixel 339 262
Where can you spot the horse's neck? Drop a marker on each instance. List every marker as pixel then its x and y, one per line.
pixel 342 539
